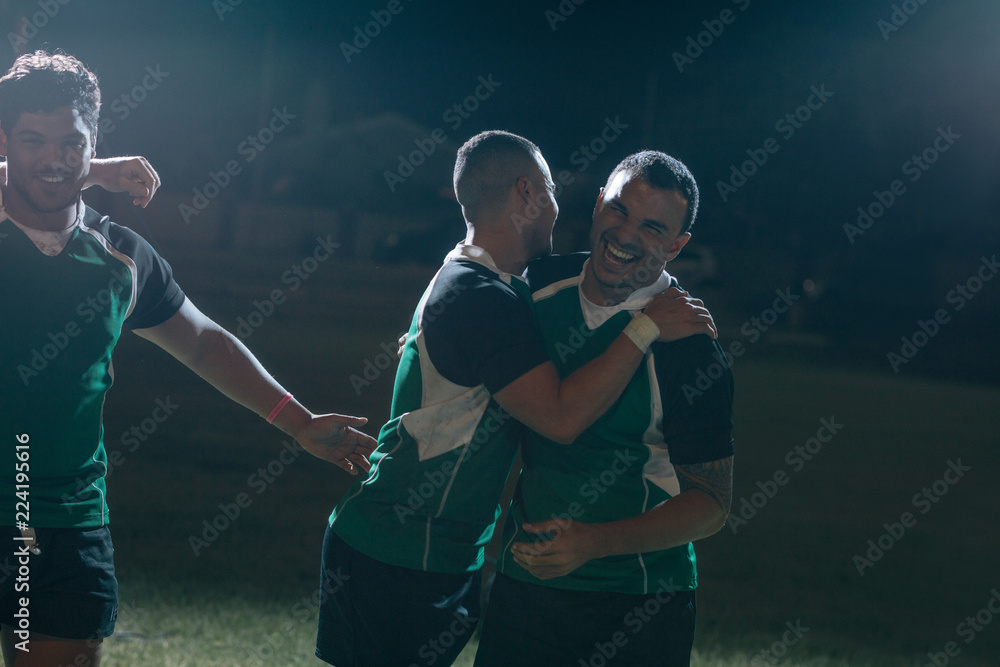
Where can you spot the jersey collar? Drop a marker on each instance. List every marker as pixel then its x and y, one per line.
pixel 596 315
pixel 473 253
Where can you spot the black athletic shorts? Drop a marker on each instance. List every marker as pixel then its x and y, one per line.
pixel 377 615
pixel 70 587
pixel 537 626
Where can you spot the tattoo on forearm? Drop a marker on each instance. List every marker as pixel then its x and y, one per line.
pixel 714 478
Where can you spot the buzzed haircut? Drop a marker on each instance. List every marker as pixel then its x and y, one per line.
pixel 44 82
pixel 487 166
pixel 663 172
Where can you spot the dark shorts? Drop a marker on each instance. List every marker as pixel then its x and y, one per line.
pixel 376 615
pixel 536 626
pixel 70 586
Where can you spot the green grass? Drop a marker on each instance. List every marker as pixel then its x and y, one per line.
pixel 792 561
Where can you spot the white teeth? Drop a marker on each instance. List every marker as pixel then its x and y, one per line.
pixel 53 179
pixel 623 256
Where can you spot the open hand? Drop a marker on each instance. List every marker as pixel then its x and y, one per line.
pixel 679 315
pixel 333 438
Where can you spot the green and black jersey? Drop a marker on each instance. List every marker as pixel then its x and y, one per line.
pixel 63 315
pixel 430 501
pixel 624 463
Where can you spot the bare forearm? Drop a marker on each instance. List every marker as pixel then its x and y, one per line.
pixel 588 392
pixel 689 516
pixel 226 364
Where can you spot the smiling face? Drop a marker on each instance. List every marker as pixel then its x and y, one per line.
pixel 48 160
pixel 636 231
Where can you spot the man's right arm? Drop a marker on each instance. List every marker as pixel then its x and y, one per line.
pixel 562 408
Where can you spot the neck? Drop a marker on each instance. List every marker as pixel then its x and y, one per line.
pixel 506 253
pixel 55 221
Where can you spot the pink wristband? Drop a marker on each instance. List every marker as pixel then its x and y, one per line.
pixel 281 404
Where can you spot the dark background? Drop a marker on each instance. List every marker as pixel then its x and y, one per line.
pixel 225 72
pixel 227 67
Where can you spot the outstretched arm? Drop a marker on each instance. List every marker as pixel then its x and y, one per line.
pixel 698 511
pixel 562 408
pixel 225 363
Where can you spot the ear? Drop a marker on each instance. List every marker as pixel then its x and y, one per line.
pixel 600 200
pixel 681 241
pixel 93 144
pixel 3 142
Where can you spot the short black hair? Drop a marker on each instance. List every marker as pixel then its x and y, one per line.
pixel 663 172
pixel 41 81
pixel 488 165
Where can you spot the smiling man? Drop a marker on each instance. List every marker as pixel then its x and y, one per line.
pixel 597 560
pixel 410 537
pixel 72 281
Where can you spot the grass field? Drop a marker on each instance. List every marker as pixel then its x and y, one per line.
pixel 246 595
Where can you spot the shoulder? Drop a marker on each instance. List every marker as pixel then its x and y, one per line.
pixel 122 239
pixel 544 272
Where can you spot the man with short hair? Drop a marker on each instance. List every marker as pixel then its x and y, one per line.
pixel 597 558
pixel 406 543
pixel 72 280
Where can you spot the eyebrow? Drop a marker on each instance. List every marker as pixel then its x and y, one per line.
pixel 71 135
pixel 615 201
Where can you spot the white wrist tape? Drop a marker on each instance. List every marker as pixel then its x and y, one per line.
pixel 642 331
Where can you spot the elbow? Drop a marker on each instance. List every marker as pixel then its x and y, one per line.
pixel 563 432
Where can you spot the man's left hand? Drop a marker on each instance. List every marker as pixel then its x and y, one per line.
pixel 333 438
pixel 569 548
pixel 133 175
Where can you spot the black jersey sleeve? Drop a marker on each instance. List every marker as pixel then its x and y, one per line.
pixel 158 296
pixel 696 389
pixel 485 335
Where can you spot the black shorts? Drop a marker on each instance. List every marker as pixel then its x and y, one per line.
pixel 375 615
pixel 70 587
pixel 536 626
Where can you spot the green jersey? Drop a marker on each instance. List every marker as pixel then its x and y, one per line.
pixel 430 500
pixel 63 316
pixel 623 465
